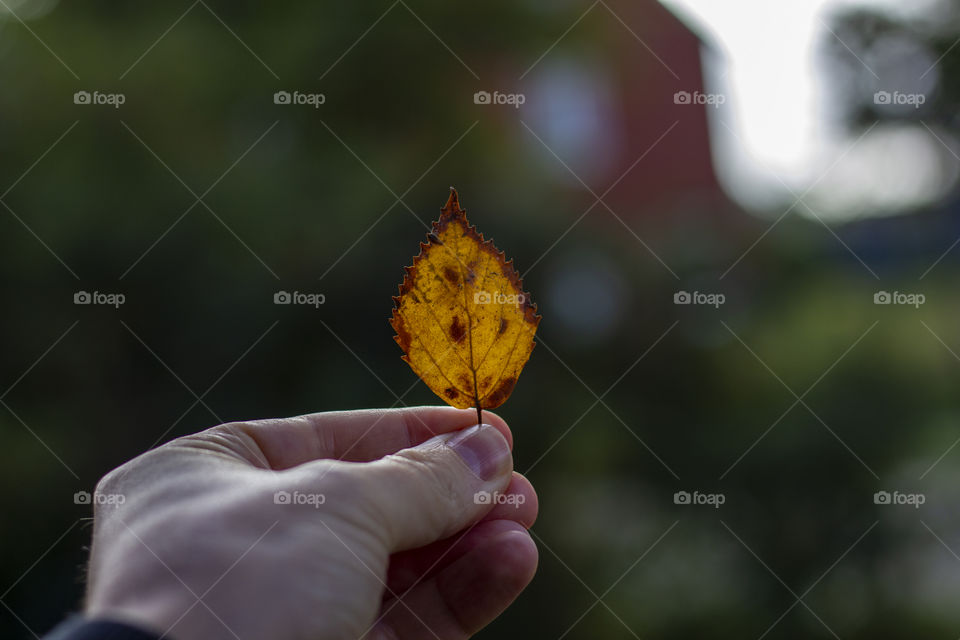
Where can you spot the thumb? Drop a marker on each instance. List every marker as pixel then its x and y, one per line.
pixel 431 491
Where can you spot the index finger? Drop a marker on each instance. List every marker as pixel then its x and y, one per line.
pixel 356 436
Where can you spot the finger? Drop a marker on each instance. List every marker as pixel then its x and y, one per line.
pixel 408 568
pixel 519 508
pixel 357 436
pixel 518 502
pixel 464 597
pixel 428 492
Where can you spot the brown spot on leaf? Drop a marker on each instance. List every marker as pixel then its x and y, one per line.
pixel 503 325
pixel 450 392
pixel 457 331
pixel 501 393
pixel 450 275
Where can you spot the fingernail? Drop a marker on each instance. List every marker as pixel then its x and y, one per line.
pixel 483 449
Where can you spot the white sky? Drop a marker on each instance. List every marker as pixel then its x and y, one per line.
pixel 774 134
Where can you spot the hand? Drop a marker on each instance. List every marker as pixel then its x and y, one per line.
pixel 326 526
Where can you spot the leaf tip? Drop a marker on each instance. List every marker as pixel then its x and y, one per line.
pixel 453 203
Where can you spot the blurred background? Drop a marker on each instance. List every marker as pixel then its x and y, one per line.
pixel 739 221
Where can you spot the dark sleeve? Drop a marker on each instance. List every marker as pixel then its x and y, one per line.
pixel 78 628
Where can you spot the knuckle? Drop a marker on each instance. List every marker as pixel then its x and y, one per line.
pixel 231 439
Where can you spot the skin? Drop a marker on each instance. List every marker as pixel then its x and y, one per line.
pixel 397 548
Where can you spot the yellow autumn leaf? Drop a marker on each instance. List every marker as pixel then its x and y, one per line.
pixel 462 318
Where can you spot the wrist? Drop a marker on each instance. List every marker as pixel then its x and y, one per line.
pixel 81 627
